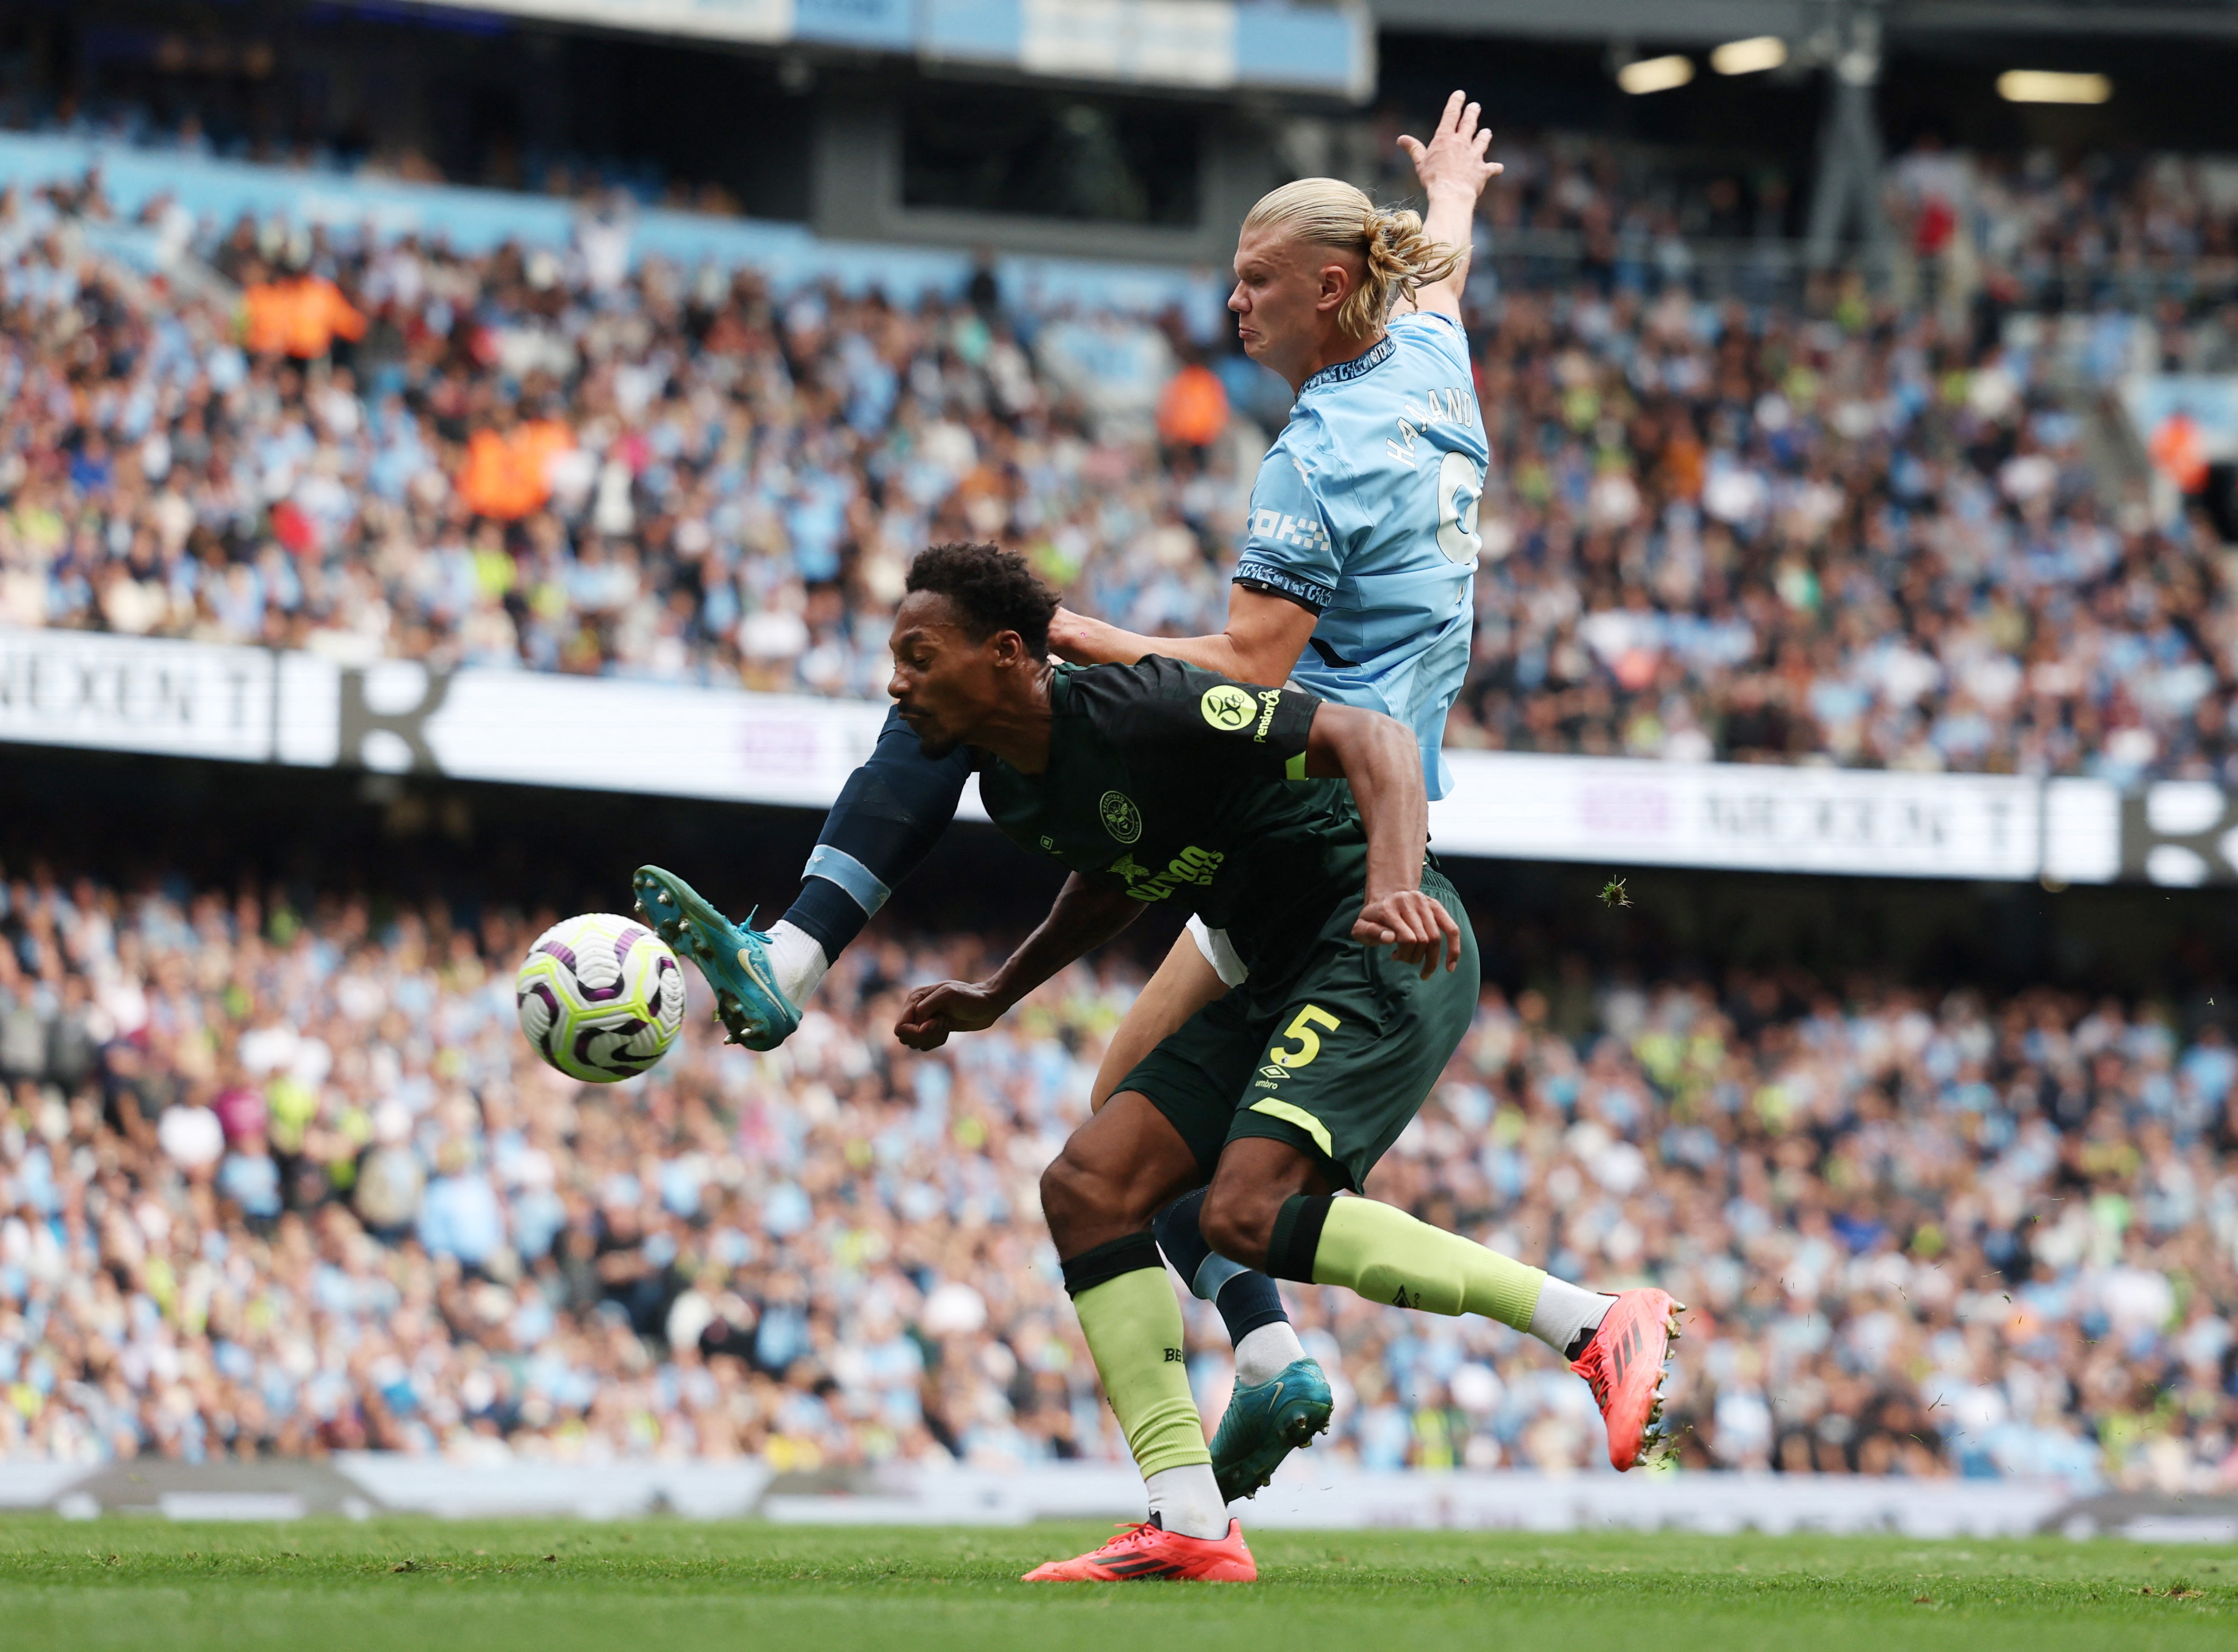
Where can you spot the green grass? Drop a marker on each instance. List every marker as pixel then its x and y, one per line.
pixel 670 1586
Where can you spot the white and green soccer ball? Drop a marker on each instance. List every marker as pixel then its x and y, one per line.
pixel 600 997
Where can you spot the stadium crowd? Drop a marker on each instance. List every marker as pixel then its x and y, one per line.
pixel 1856 528
pixel 284 1178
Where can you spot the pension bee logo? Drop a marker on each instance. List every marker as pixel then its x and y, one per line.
pixel 1228 708
pixel 1120 818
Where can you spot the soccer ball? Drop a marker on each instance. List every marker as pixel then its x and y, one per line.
pixel 600 997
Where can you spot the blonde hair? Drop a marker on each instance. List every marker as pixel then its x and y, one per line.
pixel 1396 257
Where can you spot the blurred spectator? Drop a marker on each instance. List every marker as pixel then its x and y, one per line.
pixel 1919 1235
pixel 1732 517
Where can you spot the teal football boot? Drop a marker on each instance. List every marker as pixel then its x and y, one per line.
pixel 733 957
pixel 1265 1422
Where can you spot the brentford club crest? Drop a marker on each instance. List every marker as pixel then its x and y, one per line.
pixel 1120 818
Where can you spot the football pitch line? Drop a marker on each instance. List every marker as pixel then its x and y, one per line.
pixel 675 1586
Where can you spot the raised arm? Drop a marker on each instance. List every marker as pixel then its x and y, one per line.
pixel 1379 755
pixel 1453 172
pixel 1084 917
pixel 1266 633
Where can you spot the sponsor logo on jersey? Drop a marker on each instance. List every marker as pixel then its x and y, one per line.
pixel 1307 532
pixel 1192 865
pixel 1120 818
pixel 1228 708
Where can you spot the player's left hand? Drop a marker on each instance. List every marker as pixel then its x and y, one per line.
pixel 932 1013
pixel 1415 928
pixel 1453 158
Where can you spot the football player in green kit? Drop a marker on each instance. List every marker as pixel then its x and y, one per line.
pixel 1300 828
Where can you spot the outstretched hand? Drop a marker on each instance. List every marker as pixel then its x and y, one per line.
pixel 1453 158
pixel 1415 928
pixel 932 1013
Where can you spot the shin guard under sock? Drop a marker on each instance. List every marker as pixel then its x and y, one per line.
pixel 1387 1255
pixel 1134 1329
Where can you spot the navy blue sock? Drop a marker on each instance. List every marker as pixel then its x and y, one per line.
pixel 889 816
pixel 1246 1300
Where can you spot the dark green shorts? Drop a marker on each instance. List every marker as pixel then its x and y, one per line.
pixel 1337 1070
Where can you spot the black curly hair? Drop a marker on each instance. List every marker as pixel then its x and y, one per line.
pixel 992 589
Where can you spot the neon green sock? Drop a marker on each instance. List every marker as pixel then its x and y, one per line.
pixel 1388 1256
pixel 1133 1328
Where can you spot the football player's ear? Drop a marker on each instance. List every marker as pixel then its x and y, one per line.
pixel 1337 281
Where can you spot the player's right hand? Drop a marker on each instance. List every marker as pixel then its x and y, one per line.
pixel 932 1013
pixel 1453 158
pixel 1416 928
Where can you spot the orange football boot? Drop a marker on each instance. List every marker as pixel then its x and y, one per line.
pixel 1147 1551
pixel 1624 1364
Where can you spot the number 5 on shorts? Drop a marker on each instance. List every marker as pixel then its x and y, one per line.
pixel 1309 1041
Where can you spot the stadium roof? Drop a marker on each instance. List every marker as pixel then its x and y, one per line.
pixel 1706 21
pixel 1320 47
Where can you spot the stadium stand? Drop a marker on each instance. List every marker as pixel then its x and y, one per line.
pixel 283 1178
pixel 1730 517
pixel 280 1178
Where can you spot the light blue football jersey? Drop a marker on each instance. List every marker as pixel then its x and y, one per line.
pixel 1364 510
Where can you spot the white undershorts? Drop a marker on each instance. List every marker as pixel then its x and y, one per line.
pixel 1213 943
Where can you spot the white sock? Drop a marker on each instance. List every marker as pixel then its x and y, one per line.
pixel 1187 1500
pixel 798 958
pixel 1565 1313
pixel 1262 1354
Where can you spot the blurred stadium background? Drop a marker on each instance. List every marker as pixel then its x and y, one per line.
pixel 426 427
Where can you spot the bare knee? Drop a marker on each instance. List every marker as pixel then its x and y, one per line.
pixel 1079 1202
pixel 1067 1189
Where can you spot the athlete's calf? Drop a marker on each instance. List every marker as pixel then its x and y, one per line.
pixel 1257 1175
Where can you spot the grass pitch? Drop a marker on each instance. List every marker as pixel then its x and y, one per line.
pixel 669 1586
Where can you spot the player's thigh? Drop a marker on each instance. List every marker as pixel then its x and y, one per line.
pixel 1355 1051
pixel 1185 983
pixel 1115 1173
pixel 1195 1074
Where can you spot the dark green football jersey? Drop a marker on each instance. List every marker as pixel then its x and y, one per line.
pixel 1185 787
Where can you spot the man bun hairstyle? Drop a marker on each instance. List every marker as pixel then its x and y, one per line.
pixel 991 590
pixel 1396 257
